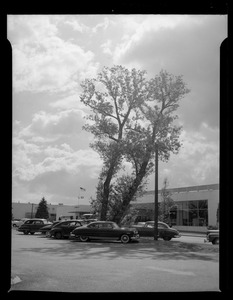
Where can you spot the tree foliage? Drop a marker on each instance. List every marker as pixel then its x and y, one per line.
pixel 42 210
pixel 131 115
pixel 166 203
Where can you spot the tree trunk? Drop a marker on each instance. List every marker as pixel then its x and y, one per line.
pixel 104 208
pixel 132 191
pixel 107 182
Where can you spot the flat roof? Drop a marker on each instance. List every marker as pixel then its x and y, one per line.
pixel 194 188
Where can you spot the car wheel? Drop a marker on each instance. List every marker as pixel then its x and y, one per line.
pixel 26 232
pixel 215 241
pixel 125 238
pixel 32 233
pixel 84 238
pixel 14 225
pixel 167 238
pixel 58 235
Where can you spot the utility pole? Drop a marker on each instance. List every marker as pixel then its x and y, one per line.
pixel 156 196
pixel 32 211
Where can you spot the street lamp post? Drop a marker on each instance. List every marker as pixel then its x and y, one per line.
pixel 156 196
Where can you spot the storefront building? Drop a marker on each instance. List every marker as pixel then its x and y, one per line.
pixel 195 207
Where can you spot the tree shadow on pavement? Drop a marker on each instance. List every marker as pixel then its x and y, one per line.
pixel 146 248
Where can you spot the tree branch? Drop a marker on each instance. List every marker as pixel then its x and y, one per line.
pixel 102 111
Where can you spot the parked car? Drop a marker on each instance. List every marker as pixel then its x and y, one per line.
pixel 164 230
pixel 33 225
pixel 45 229
pixel 64 228
pixel 212 236
pixel 18 222
pixel 105 230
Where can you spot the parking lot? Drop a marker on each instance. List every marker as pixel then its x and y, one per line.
pixel 46 264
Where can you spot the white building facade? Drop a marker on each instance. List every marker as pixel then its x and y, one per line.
pixel 28 210
pixel 195 206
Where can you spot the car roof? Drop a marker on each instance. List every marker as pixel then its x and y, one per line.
pixel 74 220
pixel 159 222
pixel 36 219
pixel 102 222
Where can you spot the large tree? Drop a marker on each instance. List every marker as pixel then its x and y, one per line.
pixel 131 116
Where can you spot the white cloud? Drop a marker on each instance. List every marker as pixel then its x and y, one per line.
pixel 107 47
pixel 68 102
pixel 42 60
pixel 197 162
pixel 65 122
pixel 77 26
pixel 104 25
pixel 31 160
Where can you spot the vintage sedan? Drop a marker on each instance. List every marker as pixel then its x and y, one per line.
pixel 64 228
pixel 164 231
pixel 105 230
pixel 18 222
pixel 33 225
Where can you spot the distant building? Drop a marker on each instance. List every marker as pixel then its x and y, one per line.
pixel 28 210
pixel 195 207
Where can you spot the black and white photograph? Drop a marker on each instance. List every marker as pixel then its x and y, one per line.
pixel 115 152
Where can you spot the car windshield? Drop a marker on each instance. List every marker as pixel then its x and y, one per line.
pixel 115 225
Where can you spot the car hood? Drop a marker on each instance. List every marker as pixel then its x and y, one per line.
pixel 174 230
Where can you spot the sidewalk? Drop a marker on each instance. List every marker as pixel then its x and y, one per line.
pixel 190 233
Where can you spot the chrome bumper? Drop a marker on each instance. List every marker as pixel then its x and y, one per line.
pixel 135 237
pixel 177 236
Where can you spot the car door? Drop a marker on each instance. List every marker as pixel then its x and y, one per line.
pixel 91 230
pixel 106 231
pixel 27 226
pixel 36 225
pixel 64 228
pixel 146 230
pixel 162 230
pixel 70 227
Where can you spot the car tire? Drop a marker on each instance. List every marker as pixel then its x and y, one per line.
pixel 84 238
pixel 32 233
pixel 215 241
pixel 58 235
pixel 125 238
pixel 167 238
pixel 26 232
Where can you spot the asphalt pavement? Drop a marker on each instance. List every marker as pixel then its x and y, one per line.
pixel 46 264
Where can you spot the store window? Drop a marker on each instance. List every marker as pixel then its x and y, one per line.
pixel 190 213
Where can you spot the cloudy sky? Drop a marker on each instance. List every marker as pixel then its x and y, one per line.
pixel 52 54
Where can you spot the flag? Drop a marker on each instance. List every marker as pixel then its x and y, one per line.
pixel 81 188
